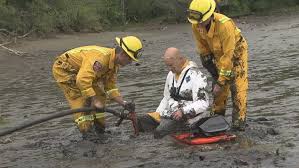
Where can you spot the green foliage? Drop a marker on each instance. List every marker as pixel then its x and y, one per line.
pixel 258 5
pixel 75 17
pixel 46 16
pixel 9 18
pixel 237 7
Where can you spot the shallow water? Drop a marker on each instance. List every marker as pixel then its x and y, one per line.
pixel 28 91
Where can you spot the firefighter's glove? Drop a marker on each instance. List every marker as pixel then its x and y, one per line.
pixel 208 63
pixel 129 106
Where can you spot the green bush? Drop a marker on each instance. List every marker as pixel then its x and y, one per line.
pixel 237 7
pixel 259 5
pixel 46 16
pixel 9 19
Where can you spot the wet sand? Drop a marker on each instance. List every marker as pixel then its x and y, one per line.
pixel 28 92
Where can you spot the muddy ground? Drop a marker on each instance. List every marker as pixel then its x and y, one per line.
pixel 28 92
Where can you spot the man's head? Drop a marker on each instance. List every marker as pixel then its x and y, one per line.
pixel 129 49
pixel 200 11
pixel 174 60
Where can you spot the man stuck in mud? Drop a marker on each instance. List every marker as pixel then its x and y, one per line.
pixel 223 52
pixel 185 99
pixel 87 75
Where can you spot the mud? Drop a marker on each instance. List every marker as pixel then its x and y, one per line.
pixel 28 91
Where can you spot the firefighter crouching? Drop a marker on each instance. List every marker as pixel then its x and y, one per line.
pixel 87 75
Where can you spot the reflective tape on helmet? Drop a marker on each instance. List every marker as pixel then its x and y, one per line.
pixel 224 19
pixel 90 117
pixel 227 73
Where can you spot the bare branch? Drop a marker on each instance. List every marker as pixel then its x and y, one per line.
pixel 13 51
pixel 6 43
pixel 26 34
pixel 14 40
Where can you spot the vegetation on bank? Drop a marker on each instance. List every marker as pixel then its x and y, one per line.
pixel 19 17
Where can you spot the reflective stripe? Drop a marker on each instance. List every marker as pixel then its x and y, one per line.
pixel 90 117
pixel 100 115
pixel 227 73
pixel 110 91
pixel 224 19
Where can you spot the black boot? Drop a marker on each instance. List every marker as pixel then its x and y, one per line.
pixel 238 125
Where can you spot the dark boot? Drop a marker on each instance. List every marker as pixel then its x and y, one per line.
pixel 146 123
pixel 90 135
pixel 222 112
pixel 99 128
pixel 238 125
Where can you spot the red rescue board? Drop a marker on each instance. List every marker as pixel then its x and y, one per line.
pixel 189 139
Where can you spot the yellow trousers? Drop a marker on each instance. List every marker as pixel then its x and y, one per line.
pixel 65 76
pixel 238 86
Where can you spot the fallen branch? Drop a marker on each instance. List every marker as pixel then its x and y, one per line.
pixel 14 41
pixel 19 37
pixel 19 53
pixel 6 43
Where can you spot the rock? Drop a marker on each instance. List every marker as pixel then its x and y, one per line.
pixel 227 147
pixel 277 152
pixel 262 119
pixel 290 145
pixel 201 158
pixel 241 162
pixel 272 131
pixel 85 154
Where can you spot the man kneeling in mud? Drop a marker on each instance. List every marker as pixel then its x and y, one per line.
pixel 185 98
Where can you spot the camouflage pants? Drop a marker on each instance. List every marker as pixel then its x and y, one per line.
pixel 165 127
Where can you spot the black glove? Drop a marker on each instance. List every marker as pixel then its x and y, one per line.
pixel 129 106
pixel 88 101
pixel 208 63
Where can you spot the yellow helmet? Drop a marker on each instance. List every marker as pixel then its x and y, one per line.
pixel 200 10
pixel 131 45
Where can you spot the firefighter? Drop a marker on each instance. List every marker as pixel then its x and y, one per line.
pixel 223 52
pixel 87 75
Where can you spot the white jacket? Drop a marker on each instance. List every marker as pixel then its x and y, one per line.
pixel 193 89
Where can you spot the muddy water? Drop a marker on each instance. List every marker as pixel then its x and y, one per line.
pixel 28 91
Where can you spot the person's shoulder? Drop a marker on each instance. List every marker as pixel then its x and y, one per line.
pixel 169 75
pixel 194 69
pixel 220 18
pixel 193 66
pixel 224 23
pixel 101 50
